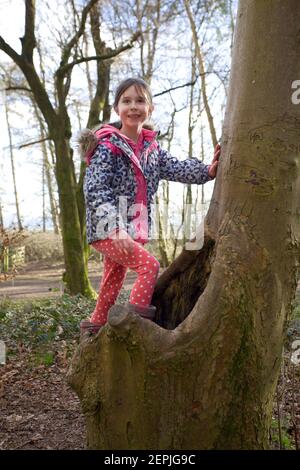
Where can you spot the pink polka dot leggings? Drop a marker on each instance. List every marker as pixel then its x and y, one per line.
pixel 116 264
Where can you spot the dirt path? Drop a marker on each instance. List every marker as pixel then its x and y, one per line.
pixel 41 279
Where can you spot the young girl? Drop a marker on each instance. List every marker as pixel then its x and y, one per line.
pixel 125 163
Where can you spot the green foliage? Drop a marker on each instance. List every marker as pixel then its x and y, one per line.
pixel 38 321
pixel 293 330
pixel 280 440
pixel 43 358
pixel 40 325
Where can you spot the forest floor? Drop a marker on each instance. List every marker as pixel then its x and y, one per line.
pixel 39 411
pixel 38 408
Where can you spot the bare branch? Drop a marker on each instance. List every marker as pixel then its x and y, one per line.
pixel 113 53
pixel 33 143
pixel 28 41
pixel 77 35
pixel 34 81
pixel 10 51
pixel 176 88
pixel 16 88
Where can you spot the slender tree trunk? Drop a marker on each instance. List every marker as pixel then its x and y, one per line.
pixel 148 40
pixel 161 238
pixel 189 195
pixel 1 217
pixel 172 241
pixel 13 170
pixel 99 104
pixel 199 56
pixel 202 153
pixel 87 68
pixel 47 167
pixel 231 15
pixel 53 205
pixel 209 384
pixel 43 197
pixel 47 176
pixel 51 166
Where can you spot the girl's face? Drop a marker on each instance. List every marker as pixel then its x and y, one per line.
pixel 133 108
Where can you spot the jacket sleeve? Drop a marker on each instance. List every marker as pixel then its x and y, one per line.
pixel 99 196
pixel 190 170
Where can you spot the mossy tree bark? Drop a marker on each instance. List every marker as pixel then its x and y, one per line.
pixel 99 108
pixel 209 383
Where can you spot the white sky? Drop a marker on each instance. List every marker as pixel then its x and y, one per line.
pixel 27 160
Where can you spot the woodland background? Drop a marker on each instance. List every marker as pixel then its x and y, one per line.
pixel 183 49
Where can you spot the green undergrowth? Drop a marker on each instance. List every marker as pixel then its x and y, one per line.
pixel 284 430
pixel 293 327
pixel 45 328
pixel 280 434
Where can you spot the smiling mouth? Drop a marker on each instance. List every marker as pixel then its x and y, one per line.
pixel 134 116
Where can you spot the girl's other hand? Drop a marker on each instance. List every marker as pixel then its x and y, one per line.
pixel 213 167
pixel 123 242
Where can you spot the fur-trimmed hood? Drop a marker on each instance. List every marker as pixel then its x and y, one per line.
pixel 89 139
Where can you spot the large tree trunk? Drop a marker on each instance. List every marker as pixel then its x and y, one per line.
pixel 209 383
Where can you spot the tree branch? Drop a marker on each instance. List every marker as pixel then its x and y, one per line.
pixel 113 53
pixel 31 75
pixel 75 38
pixel 176 87
pixel 185 84
pixel 28 41
pixel 17 88
pixel 33 143
pixel 10 51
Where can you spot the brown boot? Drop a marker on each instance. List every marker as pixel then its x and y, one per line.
pixel 86 326
pixel 145 312
pixel 118 313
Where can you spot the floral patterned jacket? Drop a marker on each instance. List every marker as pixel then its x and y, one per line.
pixel 122 179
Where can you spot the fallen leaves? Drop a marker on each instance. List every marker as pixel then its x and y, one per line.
pixel 39 410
